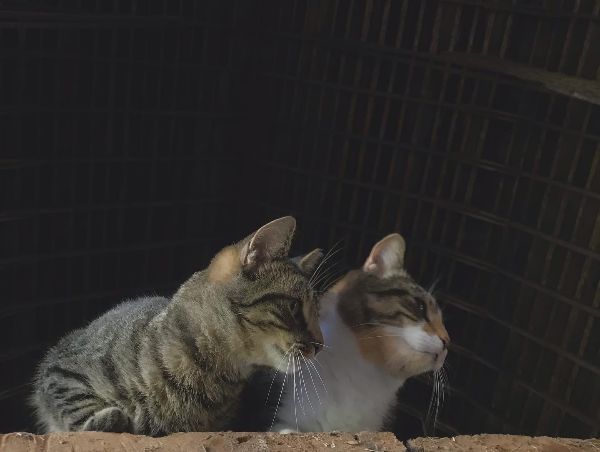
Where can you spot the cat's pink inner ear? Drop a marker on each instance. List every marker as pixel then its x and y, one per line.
pixel 270 241
pixel 386 257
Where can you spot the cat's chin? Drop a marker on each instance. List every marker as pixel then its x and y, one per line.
pixel 415 363
pixel 439 360
pixel 435 362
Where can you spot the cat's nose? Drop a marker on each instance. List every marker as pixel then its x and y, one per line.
pixel 309 350
pixel 446 341
pixel 318 347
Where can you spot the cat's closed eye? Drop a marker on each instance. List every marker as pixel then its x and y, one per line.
pixel 421 308
pixel 295 307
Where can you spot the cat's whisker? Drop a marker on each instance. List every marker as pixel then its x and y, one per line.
pixel 315 273
pixel 309 395
pixel 294 375
pixel 326 258
pixel 281 392
pixel 311 362
pixel 327 275
pixel 369 324
pixel 303 387
pixel 275 373
pixel 316 359
pixel 312 379
pixel 382 335
pixel 447 366
pixel 300 385
pixel 334 281
pixel 434 284
pixel 436 399
pixel 437 402
pixel 439 393
pixel 331 281
pixel 430 408
pixel 300 396
pixel 319 277
pixel 431 419
pixel 446 379
pixel 326 272
pixel 446 387
pixel 304 383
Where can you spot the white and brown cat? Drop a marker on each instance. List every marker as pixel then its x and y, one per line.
pixel 380 328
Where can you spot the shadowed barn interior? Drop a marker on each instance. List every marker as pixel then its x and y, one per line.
pixel 139 137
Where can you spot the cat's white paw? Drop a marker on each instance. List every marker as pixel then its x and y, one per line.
pixel 286 431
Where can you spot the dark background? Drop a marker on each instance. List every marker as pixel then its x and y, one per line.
pixel 139 137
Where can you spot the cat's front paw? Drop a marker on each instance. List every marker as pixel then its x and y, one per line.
pixel 110 419
pixel 287 431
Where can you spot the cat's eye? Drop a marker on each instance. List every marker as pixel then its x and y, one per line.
pixel 295 306
pixel 421 308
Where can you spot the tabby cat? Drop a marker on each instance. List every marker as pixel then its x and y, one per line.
pixel 155 365
pixel 380 328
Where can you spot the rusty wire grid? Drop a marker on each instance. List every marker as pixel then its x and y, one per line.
pixel 473 128
pixel 139 137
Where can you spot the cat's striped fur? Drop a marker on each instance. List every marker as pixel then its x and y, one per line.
pixel 156 366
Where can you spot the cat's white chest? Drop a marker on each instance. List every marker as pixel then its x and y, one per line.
pixel 353 395
pixel 358 400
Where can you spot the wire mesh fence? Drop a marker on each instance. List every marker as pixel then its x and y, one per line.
pixel 115 150
pixel 425 117
pixel 138 137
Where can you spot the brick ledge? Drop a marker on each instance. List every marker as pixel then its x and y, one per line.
pixel 272 442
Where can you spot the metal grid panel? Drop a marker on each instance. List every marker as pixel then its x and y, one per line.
pixel 493 180
pixel 115 157
pixel 368 123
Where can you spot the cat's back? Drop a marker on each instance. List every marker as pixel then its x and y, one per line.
pixel 118 325
pixel 129 313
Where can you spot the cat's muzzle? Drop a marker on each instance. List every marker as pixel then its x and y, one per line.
pixel 439 359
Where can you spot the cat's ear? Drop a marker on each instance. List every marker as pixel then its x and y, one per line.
pixel 271 241
pixel 387 256
pixel 308 263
